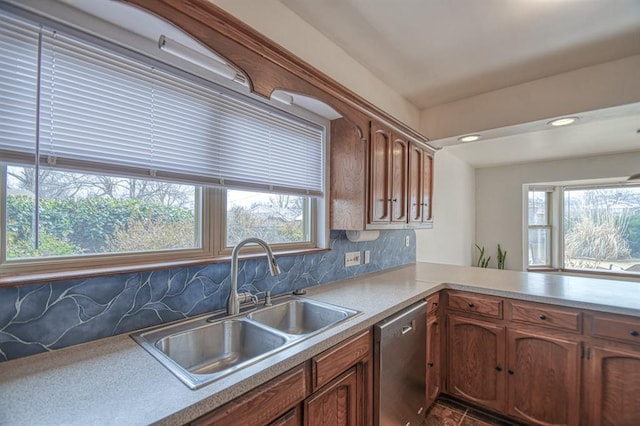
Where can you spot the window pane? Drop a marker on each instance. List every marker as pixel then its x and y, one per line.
pixel 538 208
pixel 275 218
pixel 602 229
pixel 539 247
pixel 91 214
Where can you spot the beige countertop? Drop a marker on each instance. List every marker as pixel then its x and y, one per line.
pixel 115 381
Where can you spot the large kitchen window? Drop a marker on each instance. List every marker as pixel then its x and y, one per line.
pixel 111 158
pixel 599 228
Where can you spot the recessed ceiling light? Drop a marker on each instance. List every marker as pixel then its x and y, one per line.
pixel 469 138
pixel 565 121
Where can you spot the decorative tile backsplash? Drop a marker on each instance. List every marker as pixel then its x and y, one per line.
pixel 45 317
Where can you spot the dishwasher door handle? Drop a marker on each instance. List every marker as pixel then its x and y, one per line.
pixel 407 328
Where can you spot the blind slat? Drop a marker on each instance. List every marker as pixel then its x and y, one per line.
pixel 103 111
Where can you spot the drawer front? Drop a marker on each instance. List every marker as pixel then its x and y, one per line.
pixel 541 315
pixel 480 305
pixel 262 405
pixel 335 361
pixel 626 330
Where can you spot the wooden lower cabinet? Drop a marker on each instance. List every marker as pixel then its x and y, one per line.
pixel 476 361
pixel 339 393
pixel 543 378
pixel 336 404
pixel 612 385
pixel 434 358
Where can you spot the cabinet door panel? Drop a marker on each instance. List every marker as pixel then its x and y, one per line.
pixel 399 155
pixel 476 360
pixel 380 191
pixel 613 387
pixel 434 359
pixel 336 404
pixel 543 384
pixel 416 159
pixel 427 188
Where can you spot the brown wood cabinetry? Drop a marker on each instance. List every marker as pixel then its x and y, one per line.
pixel 388 180
pixel 543 378
pixel 264 404
pixel 420 185
pixel 340 392
pixel 552 365
pixel 434 349
pixel 612 386
pixel 336 404
pixel 379 180
pixel 476 355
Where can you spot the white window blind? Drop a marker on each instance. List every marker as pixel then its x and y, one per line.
pixel 103 111
pixel 18 89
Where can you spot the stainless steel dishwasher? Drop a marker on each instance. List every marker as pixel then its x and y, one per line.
pixel 399 367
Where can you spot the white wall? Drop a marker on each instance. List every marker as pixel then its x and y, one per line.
pixel 498 192
pixel 451 238
pixel 280 24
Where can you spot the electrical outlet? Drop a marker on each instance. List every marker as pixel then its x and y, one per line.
pixel 352 258
pixel 407 241
pixel 367 257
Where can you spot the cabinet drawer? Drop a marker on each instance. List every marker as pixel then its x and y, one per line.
pixel 262 405
pixel 480 305
pixel 546 317
pixel 335 361
pixel 624 329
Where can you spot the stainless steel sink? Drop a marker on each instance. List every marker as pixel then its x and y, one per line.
pixel 220 346
pixel 203 349
pixel 299 317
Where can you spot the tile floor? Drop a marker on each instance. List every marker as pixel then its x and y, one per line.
pixel 449 413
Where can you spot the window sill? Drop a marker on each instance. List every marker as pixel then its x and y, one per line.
pixel 542 269
pixel 84 273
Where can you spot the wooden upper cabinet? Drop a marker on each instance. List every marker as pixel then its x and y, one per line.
pixel 398 196
pixel 420 185
pixel 543 378
pixel 380 176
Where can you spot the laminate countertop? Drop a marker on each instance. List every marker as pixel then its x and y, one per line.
pixel 115 381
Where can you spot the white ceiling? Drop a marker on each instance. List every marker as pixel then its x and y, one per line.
pixel 437 51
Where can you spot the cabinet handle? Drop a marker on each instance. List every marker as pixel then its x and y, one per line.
pixel 471 305
pixel 543 317
pixel 394 200
pixel 635 333
pixel 430 364
pixel 498 368
pixel 510 372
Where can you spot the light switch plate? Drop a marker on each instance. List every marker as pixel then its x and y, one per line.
pixel 367 257
pixel 352 258
pixel 407 241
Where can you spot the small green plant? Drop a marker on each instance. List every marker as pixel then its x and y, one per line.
pixel 482 261
pixel 502 254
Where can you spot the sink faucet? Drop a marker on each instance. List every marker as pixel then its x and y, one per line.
pixel 233 305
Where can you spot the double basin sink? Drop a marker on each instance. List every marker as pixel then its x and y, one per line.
pixel 201 350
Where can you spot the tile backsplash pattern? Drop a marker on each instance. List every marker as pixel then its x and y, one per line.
pixel 44 317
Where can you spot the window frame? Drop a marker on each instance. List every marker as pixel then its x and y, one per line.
pixel 556 215
pixel 549 225
pixel 212 206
